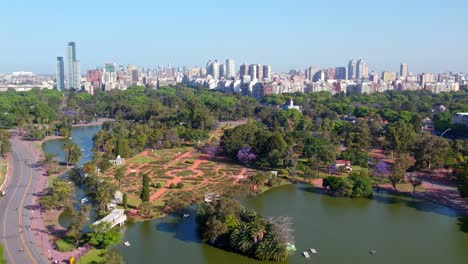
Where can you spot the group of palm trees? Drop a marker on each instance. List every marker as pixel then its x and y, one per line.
pixel 228 225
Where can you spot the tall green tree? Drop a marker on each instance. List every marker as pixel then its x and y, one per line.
pixel 145 193
pixel 72 153
pixel 461 173
pixel 119 175
pixel 400 136
pixel 402 163
pixel 430 151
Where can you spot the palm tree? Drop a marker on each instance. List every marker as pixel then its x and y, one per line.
pixel 119 175
pixel 72 153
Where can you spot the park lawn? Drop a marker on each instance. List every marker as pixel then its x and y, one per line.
pixel 133 202
pixel 93 256
pixel 64 246
pixel 140 160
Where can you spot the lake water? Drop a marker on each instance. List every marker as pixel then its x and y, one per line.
pixel 399 228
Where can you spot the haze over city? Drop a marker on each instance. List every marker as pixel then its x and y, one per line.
pixel 428 35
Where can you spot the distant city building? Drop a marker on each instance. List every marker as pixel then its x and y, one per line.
pixel 403 70
pixel 222 70
pixel 311 72
pixel 110 76
pixel 230 69
pixel 361 69
pixel 74 78
pixel 330 74
pixel 243 70
pixel 253 71
pixel 426 78
pixel 341 73
pixel 388 76
pixel 267 72
pixel 60 74
pixel 212 68
pixel 352 69
pixel 260 72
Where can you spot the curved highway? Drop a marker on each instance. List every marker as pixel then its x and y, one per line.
pixel 16 234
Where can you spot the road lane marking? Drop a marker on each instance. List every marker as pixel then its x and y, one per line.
pixel 26 248
pixel 6 209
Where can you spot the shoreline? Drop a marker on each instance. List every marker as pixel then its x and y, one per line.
pixel 97 122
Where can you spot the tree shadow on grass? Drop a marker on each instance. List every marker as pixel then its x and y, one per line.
pixel 184 229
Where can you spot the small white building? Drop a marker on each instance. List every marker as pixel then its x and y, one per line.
pixel 118 161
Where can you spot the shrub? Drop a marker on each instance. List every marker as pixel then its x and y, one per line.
pixel 64 246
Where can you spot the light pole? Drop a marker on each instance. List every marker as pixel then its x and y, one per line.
pixel 447 130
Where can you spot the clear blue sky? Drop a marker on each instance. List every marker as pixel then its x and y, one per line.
pixel 430 35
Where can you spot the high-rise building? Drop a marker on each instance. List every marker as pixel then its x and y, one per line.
pixel 253 71
pixel 310 73
pixel 110 76
pixel 361 69
pixel 352 69
pixel 77 75
pixel 388 76
pixel 404 70
pixel 212 68
pixel 215 70
pixel 230 69
pixel 267 72
pixel 260 72
pixel 74 78
pixel 330 74
pixel 60 74
pixel 222 70
pixel 341 73
pixel 243 70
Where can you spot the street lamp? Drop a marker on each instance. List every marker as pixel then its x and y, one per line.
pixel 447 130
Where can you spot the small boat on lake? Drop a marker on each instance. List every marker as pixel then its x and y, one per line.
pixel 186 215
pixel 127 244
pixel 306 255
pixel 313 251
pixel 372 252
pixel 290 247
pixel 84 200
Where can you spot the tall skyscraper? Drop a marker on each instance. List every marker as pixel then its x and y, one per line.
pixel 352 69
pixel 404 70
pixel 361 69
pixel 60 74
pixel 253 71
pixel 260 72
pixel 243 70
pixel 74 78
pixel 222 70
pixel 212 68
pixel 230 69
pixel 215 70
pixel 267 72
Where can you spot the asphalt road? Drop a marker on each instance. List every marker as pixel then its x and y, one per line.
pixel 20 245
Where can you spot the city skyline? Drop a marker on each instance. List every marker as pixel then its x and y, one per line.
pixel 424 34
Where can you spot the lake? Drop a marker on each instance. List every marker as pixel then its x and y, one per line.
pixel 401 229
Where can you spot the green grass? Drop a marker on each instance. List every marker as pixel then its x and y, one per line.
pixel 64 245
pixel 133 202
pixel 93 256
pixel 141 160
pixel 2 260
pixel 3 167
